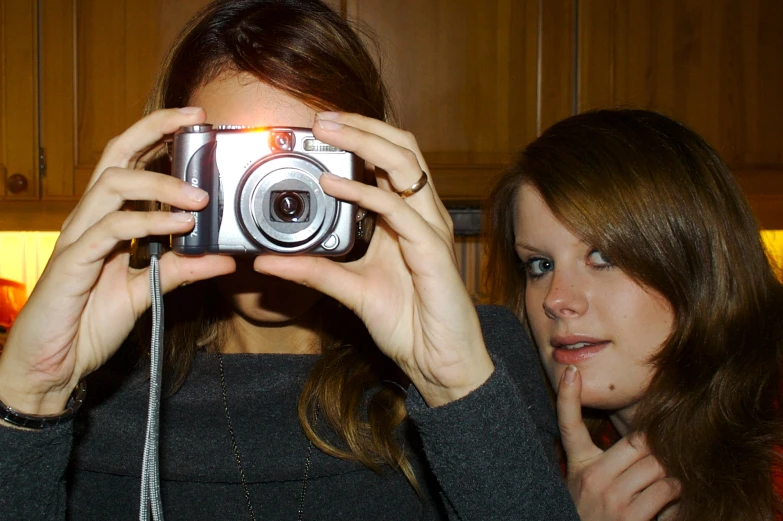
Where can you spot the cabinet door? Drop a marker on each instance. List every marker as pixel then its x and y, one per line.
pixel 463 76
pixel 18 101
pixel 713 64
pixel 98 62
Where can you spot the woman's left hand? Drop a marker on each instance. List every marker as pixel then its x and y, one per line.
pixel 625 482
pixel 406 288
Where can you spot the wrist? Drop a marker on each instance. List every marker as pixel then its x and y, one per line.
pixel 34 403
pixel 19 419
pixel 437 393
pixel 21 392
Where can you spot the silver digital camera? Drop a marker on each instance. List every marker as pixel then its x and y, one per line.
pixel 264 191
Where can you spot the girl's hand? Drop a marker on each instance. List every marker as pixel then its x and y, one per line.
pixel 407 288
pixel 88 298
pixel 625 482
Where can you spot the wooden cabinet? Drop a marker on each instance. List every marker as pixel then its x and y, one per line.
pixel 463 78
pixel 474 81
pixel 97 70
pixel 75 74
pixel 715 65
pixel 18 102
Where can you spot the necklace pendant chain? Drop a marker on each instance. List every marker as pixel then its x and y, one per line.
pixel 238 457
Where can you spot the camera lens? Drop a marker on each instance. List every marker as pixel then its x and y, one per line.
pixel 282 140
pixel 289 206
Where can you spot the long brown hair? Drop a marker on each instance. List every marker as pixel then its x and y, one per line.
pixel 306 50
pixel 655 198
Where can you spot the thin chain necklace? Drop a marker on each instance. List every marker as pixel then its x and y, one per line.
pixel 238 458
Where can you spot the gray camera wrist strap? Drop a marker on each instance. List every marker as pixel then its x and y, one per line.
pixel 150 473
pixel 150 500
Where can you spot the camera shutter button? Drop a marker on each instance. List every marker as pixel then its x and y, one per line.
pixel 331 242
pixel 197 128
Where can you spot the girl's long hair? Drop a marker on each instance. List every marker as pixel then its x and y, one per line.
pixel 657 200
pixel 306 50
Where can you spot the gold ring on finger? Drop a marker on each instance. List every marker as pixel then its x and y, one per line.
pixel 415 187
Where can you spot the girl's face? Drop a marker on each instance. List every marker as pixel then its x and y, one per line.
pixel 584 311
pixel 240 99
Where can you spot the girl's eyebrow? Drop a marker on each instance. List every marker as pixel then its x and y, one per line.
pixel 524 246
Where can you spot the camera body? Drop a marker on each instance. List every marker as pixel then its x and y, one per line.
pixel 264 191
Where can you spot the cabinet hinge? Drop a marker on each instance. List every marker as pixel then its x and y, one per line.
pixel 41 163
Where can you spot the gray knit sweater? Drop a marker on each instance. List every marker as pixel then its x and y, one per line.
pixel 485 457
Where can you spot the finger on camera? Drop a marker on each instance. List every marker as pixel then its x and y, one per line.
pixel 400 163
pixel 406 221
pixel 178 270
pixel 427 250
pixel 652 500
pixel 150 154
pixel 74 268
pixel 98 241
pixel 380 128
pixel 117 186
pixel 441 221
pixel 399 137
pixel 125 149
pixel 574 435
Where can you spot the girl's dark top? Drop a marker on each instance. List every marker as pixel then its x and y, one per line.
pixel 484 457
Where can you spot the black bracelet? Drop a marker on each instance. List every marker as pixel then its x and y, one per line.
pixel 34 421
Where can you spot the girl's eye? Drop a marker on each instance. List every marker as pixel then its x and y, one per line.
pixel 538 267
pixel 599 260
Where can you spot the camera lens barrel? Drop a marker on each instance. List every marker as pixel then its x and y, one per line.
pixel 289 206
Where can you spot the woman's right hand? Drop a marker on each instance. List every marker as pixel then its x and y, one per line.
pixel 625 482
pixel 88 298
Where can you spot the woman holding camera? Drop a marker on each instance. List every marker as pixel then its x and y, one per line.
pixel 639 267
pixel 298 387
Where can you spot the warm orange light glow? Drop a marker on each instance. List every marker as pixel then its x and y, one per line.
pixel 12 298
pixel 23 255
pixel 773 239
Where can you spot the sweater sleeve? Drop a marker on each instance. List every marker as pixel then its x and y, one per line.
pixel 491 451
pixel 32 472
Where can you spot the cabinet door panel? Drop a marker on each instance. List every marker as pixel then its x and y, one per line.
pixel 18 103
pixel 99 60
pixel 713 64
pixel 462 75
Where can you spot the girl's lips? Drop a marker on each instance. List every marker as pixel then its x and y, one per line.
pixel 573 356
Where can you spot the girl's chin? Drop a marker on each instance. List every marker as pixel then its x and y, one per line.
pixel 597 395
pixel 604 399
pixel 269 316
pixel 276 307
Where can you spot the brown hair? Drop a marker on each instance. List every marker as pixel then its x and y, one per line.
pixel 306 50
pixel 652 196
